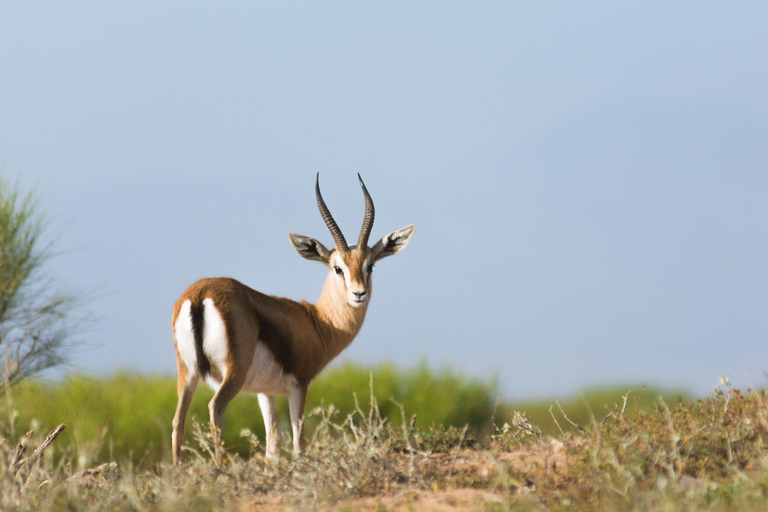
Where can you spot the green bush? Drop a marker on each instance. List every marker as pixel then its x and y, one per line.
pixel 127 417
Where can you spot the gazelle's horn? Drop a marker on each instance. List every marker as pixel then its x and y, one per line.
pixel 370 213
pixel 341 243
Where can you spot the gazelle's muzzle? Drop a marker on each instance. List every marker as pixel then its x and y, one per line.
pixel 358 297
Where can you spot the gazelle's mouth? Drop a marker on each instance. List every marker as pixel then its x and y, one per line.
pixel 356 303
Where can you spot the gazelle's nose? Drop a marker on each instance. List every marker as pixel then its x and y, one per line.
pixel 360 294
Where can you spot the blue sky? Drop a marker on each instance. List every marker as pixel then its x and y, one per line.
pixel 588 180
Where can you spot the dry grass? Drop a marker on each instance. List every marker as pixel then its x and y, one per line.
pixel 707 455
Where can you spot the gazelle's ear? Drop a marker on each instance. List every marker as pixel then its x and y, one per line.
pixel 309 248
pixel 393 243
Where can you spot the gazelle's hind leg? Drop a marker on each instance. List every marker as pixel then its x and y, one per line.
pixel 185 388
pixel 218 404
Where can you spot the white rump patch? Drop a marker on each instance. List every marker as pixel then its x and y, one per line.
pixel 185 340
pixel 215 344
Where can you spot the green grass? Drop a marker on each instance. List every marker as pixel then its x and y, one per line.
pixel 127 417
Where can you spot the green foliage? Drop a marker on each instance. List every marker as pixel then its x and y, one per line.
pixel 35 317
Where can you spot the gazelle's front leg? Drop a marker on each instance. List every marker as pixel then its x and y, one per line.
pixel 297 395
pixel 269 411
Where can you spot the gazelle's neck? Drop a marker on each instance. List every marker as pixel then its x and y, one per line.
pixel 339 322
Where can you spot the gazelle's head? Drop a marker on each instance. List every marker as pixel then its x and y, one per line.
pixel 351 267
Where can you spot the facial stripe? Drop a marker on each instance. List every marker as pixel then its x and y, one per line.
pixel 345 271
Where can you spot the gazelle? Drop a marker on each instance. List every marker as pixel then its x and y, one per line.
pixel 238 339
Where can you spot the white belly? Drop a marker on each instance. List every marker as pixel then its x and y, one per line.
pixel 265 375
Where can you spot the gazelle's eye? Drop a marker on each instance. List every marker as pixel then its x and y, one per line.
pixel 337 270
pixel 370 268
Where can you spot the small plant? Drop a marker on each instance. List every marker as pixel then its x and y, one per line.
pixel 435 439
pixel 517 432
